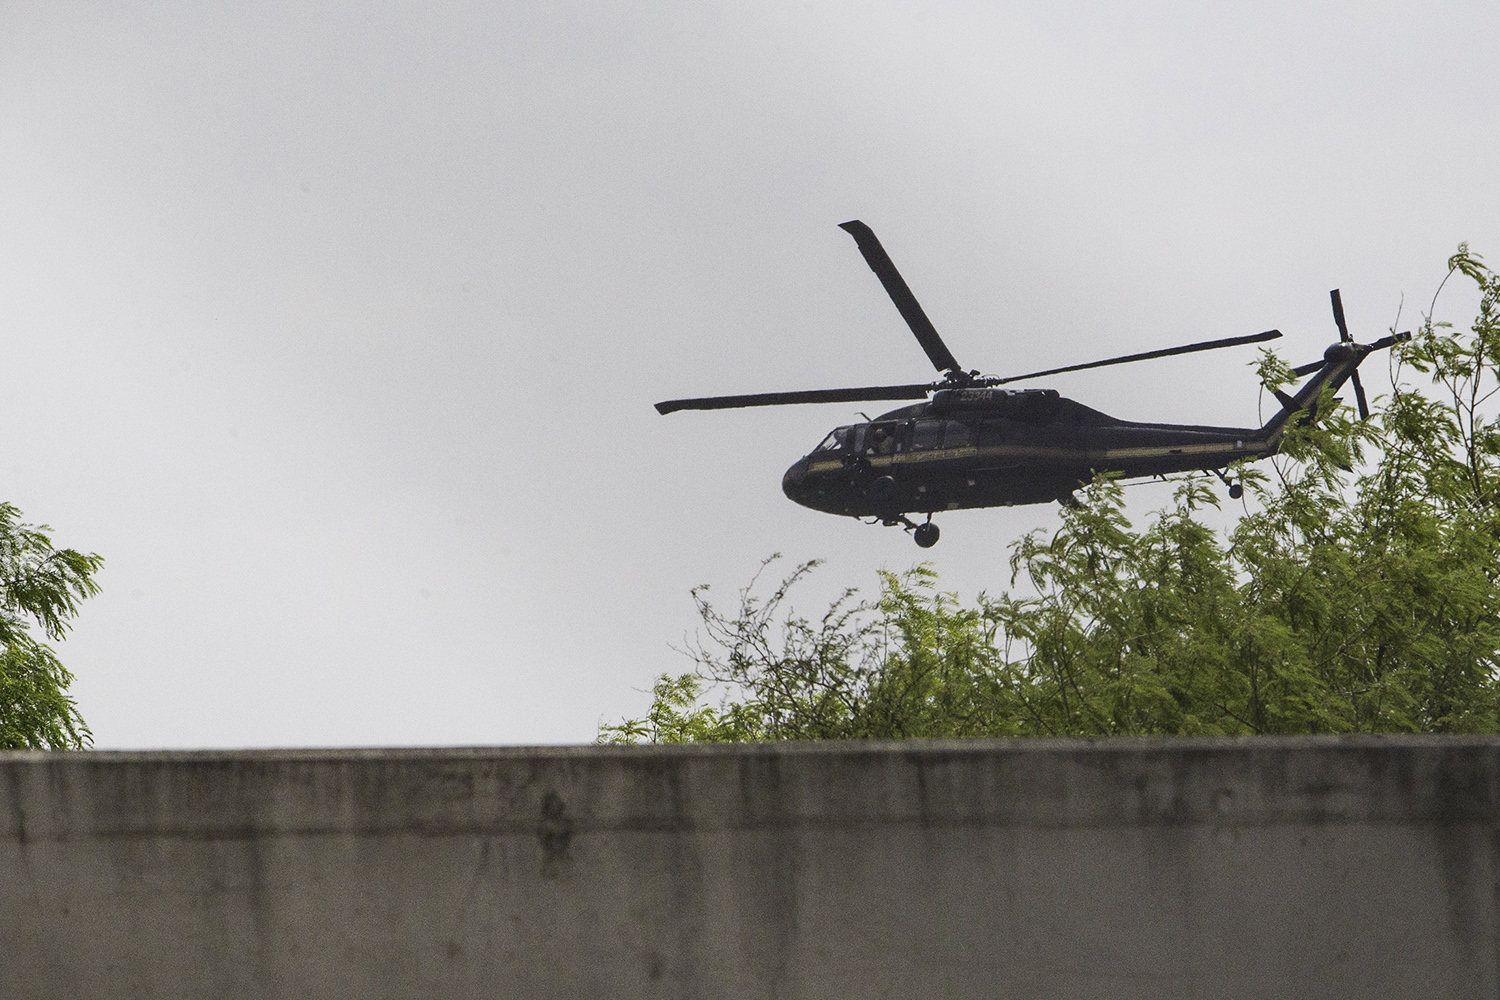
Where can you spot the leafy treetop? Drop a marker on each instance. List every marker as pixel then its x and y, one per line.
pixel 40 585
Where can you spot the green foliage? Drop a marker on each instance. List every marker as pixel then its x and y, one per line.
pixel 42 585
pixel 1353 596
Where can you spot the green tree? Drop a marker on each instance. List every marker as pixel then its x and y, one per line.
pixel 40 585
pixel 1360 592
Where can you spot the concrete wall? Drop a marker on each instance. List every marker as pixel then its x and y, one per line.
pixel 1120 868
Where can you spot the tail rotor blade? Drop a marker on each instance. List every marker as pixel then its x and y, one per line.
pixel 895 286
pixel 1359 397
pixel 1338 315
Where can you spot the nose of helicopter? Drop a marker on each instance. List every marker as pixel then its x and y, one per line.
pixel 792 484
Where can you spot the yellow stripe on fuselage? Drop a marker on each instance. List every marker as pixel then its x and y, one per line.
pixel 1103 457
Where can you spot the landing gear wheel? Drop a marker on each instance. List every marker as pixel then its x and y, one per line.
pixel 926 535
pixel 1236 490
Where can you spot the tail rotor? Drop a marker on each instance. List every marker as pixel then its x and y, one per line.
pixel 1344 351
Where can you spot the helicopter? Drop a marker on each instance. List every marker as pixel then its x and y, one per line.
pixel 973 444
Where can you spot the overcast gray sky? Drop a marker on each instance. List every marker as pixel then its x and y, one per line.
pixel 335 328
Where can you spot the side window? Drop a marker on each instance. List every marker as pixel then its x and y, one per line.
pixel 957 435
pixel 927 435
pixel 883 439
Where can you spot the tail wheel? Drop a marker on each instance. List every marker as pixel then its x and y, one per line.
pixel 926 535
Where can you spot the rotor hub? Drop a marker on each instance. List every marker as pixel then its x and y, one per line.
pixel 1341 352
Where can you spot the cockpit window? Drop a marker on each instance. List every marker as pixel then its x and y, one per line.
pixel 834 441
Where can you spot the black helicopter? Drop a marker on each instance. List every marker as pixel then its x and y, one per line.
pixel 973 444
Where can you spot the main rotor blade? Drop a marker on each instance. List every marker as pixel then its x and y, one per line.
pixel 1207 345
pixel 1338 315
pixel 809 396
pixel 895 286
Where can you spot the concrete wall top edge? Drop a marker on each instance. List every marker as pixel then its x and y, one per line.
pixel 593 789
pixel 1101 744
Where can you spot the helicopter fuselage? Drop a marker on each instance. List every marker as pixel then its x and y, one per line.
pixel 996 447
